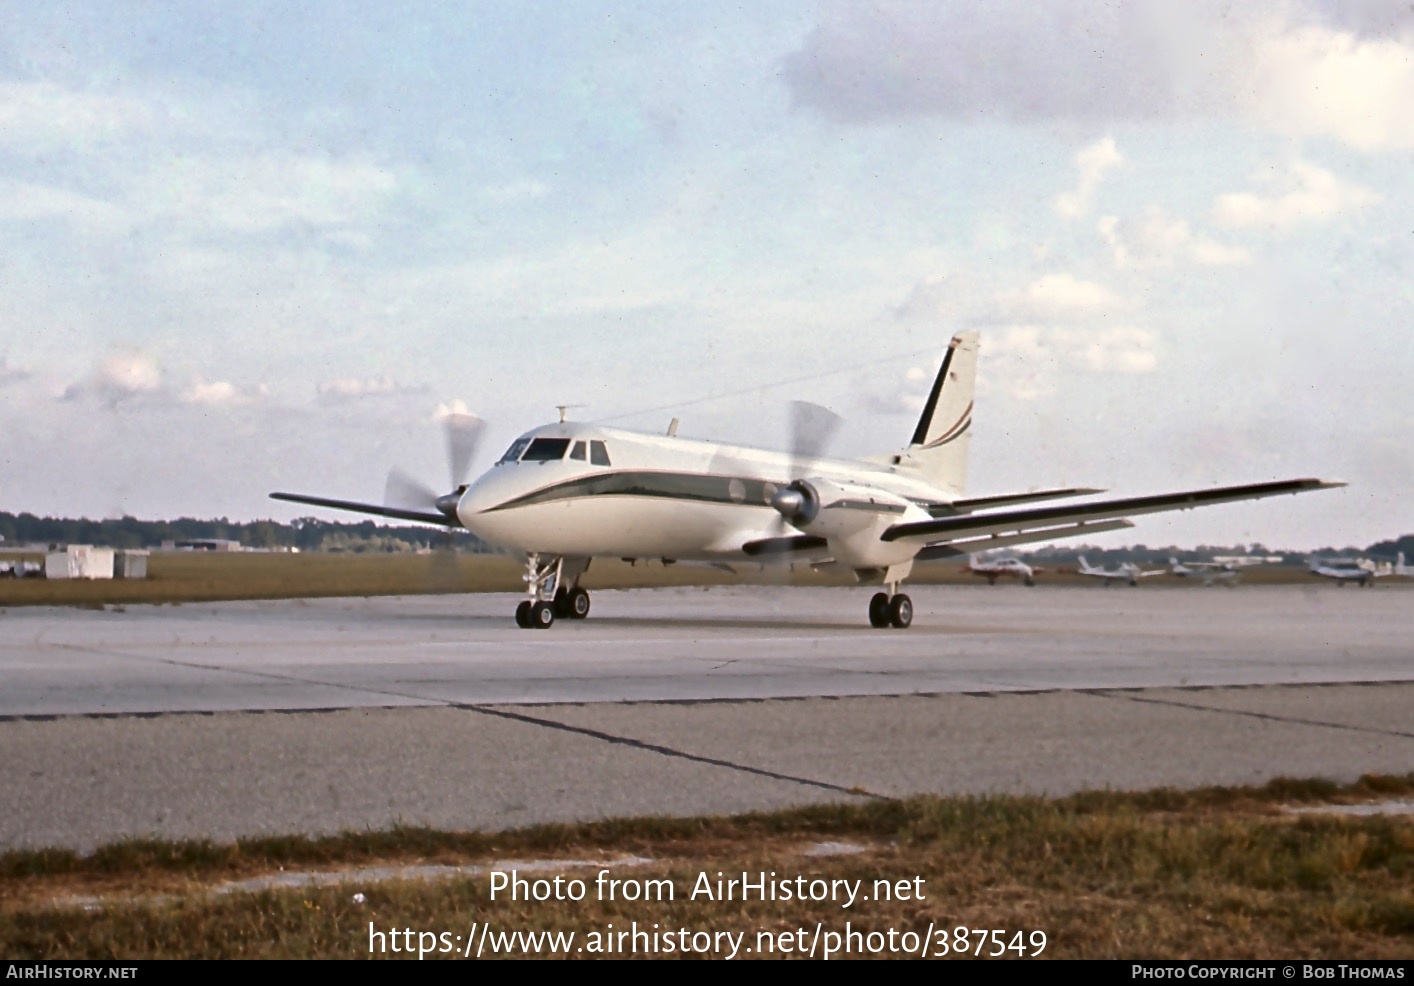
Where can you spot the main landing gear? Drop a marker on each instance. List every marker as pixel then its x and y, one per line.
pixel 549 597
pixel 890 610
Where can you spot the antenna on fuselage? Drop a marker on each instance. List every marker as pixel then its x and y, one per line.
pixel 564 411
pixel 673 428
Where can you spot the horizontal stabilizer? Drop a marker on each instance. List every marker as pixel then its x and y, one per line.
pixel 441 520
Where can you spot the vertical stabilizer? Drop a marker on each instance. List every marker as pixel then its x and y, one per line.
pixel 938 450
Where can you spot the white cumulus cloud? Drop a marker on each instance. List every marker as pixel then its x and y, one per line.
pixel 221 392
pixel 1062 296
pixel 350 388
pixel 1317 81
pixel 1092 163
pixel 1160 240
pixel 1030 359
pixel 1307 194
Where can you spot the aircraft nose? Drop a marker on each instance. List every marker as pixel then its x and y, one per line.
pixel 475 499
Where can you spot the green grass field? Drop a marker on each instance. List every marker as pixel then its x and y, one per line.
pixel 1202 874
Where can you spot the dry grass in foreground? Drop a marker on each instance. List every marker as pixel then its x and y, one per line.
pixel 1202 874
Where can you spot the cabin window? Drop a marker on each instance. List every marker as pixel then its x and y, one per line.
pixel 578 452
pixel 513 453
pixel 546 450
pixel 598 454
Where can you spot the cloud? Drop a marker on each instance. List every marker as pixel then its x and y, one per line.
pixel 1160 240
pixel 1093 163
pixel 1031 358
pixel 218 393
pixel 350 389
pixel 11 374
pixel 514 192
pixel 1061 296
pixel 120 378
pixel 1316 81
pixel 927 300
pixel 28 202
pixel 270 192
pixel 1338 70
pixel 132 379
pixel 1311 194
pixel 975 61
pixel 40 116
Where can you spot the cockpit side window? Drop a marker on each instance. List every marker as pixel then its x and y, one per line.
pixel 546 450
pixel 578 452
pixel 598 454
pixel 513 453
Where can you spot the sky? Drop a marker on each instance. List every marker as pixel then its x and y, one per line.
pixel 268 246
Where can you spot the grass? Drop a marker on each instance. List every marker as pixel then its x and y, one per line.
pixel 185 577
pixel 1217 872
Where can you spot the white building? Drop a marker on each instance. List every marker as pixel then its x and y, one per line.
pixel 79 561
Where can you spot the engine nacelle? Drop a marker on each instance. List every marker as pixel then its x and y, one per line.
pixel 829 509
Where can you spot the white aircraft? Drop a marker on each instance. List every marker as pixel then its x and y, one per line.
pixel 992 568
pixel 1128 572
pixel 1227 572
pixel 568 492
pixel 1363 573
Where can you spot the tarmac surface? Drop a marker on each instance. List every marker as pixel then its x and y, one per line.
pixel 317 716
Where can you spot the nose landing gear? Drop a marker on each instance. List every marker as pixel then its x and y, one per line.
pixel 549 597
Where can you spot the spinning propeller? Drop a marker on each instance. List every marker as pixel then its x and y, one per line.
pixel 812 428
pixel 403 492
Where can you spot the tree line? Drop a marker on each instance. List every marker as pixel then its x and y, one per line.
pixel 304 533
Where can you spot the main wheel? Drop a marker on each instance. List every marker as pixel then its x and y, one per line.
pixel 542 616
pixel 901 611
pixel 562 602
pixel 578 603
pixel 1030 581
pixel 879 610
pixel 523 614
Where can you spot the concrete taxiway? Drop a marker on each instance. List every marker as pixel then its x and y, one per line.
pixel 438 711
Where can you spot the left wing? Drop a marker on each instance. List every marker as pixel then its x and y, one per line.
pixel 1076 518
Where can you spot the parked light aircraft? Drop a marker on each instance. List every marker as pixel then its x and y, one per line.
pixel 568 492
pixel 1363 573
pixel 1210 572
pixel 992 568
pixel 1128 572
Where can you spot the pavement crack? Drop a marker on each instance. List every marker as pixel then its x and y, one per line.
pixel 1248 713
pixel 668 751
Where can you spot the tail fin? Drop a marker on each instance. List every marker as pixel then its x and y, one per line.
pixel 938 450
pixel 1084 565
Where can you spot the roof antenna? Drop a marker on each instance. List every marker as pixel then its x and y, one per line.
pixel 564 409
pixel 673 428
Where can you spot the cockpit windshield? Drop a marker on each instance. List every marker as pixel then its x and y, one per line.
pixel 546 450
pixel 513 453
pixel 553 450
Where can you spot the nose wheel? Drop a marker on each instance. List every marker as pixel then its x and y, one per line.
pixel 552 591
pixel 890 611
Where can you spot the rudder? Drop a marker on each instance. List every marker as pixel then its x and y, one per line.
pixel 939 447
